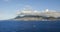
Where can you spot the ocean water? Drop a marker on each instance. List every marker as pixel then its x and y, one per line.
pixel 29 26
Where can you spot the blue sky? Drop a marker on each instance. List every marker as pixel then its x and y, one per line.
pixel 8 8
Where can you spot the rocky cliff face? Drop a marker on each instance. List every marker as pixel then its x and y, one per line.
pixel 28 14
pixel 29 17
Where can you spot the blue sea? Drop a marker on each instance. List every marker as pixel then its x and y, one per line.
pixel 29 26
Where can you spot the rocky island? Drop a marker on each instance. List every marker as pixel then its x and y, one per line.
pixel 29 14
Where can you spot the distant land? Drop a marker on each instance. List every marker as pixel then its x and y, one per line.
pixel 30 14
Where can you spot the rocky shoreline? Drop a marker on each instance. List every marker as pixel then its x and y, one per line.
pixel 37 18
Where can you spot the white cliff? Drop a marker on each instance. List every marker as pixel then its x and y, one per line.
pixel 30 14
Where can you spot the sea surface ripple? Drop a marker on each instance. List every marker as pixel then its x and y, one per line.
pixel 29 26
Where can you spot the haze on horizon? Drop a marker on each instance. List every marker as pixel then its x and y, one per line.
pixel 8 8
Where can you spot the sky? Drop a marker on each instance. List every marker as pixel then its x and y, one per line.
pixel 8 8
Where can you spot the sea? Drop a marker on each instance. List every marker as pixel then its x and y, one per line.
pixel 29 26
